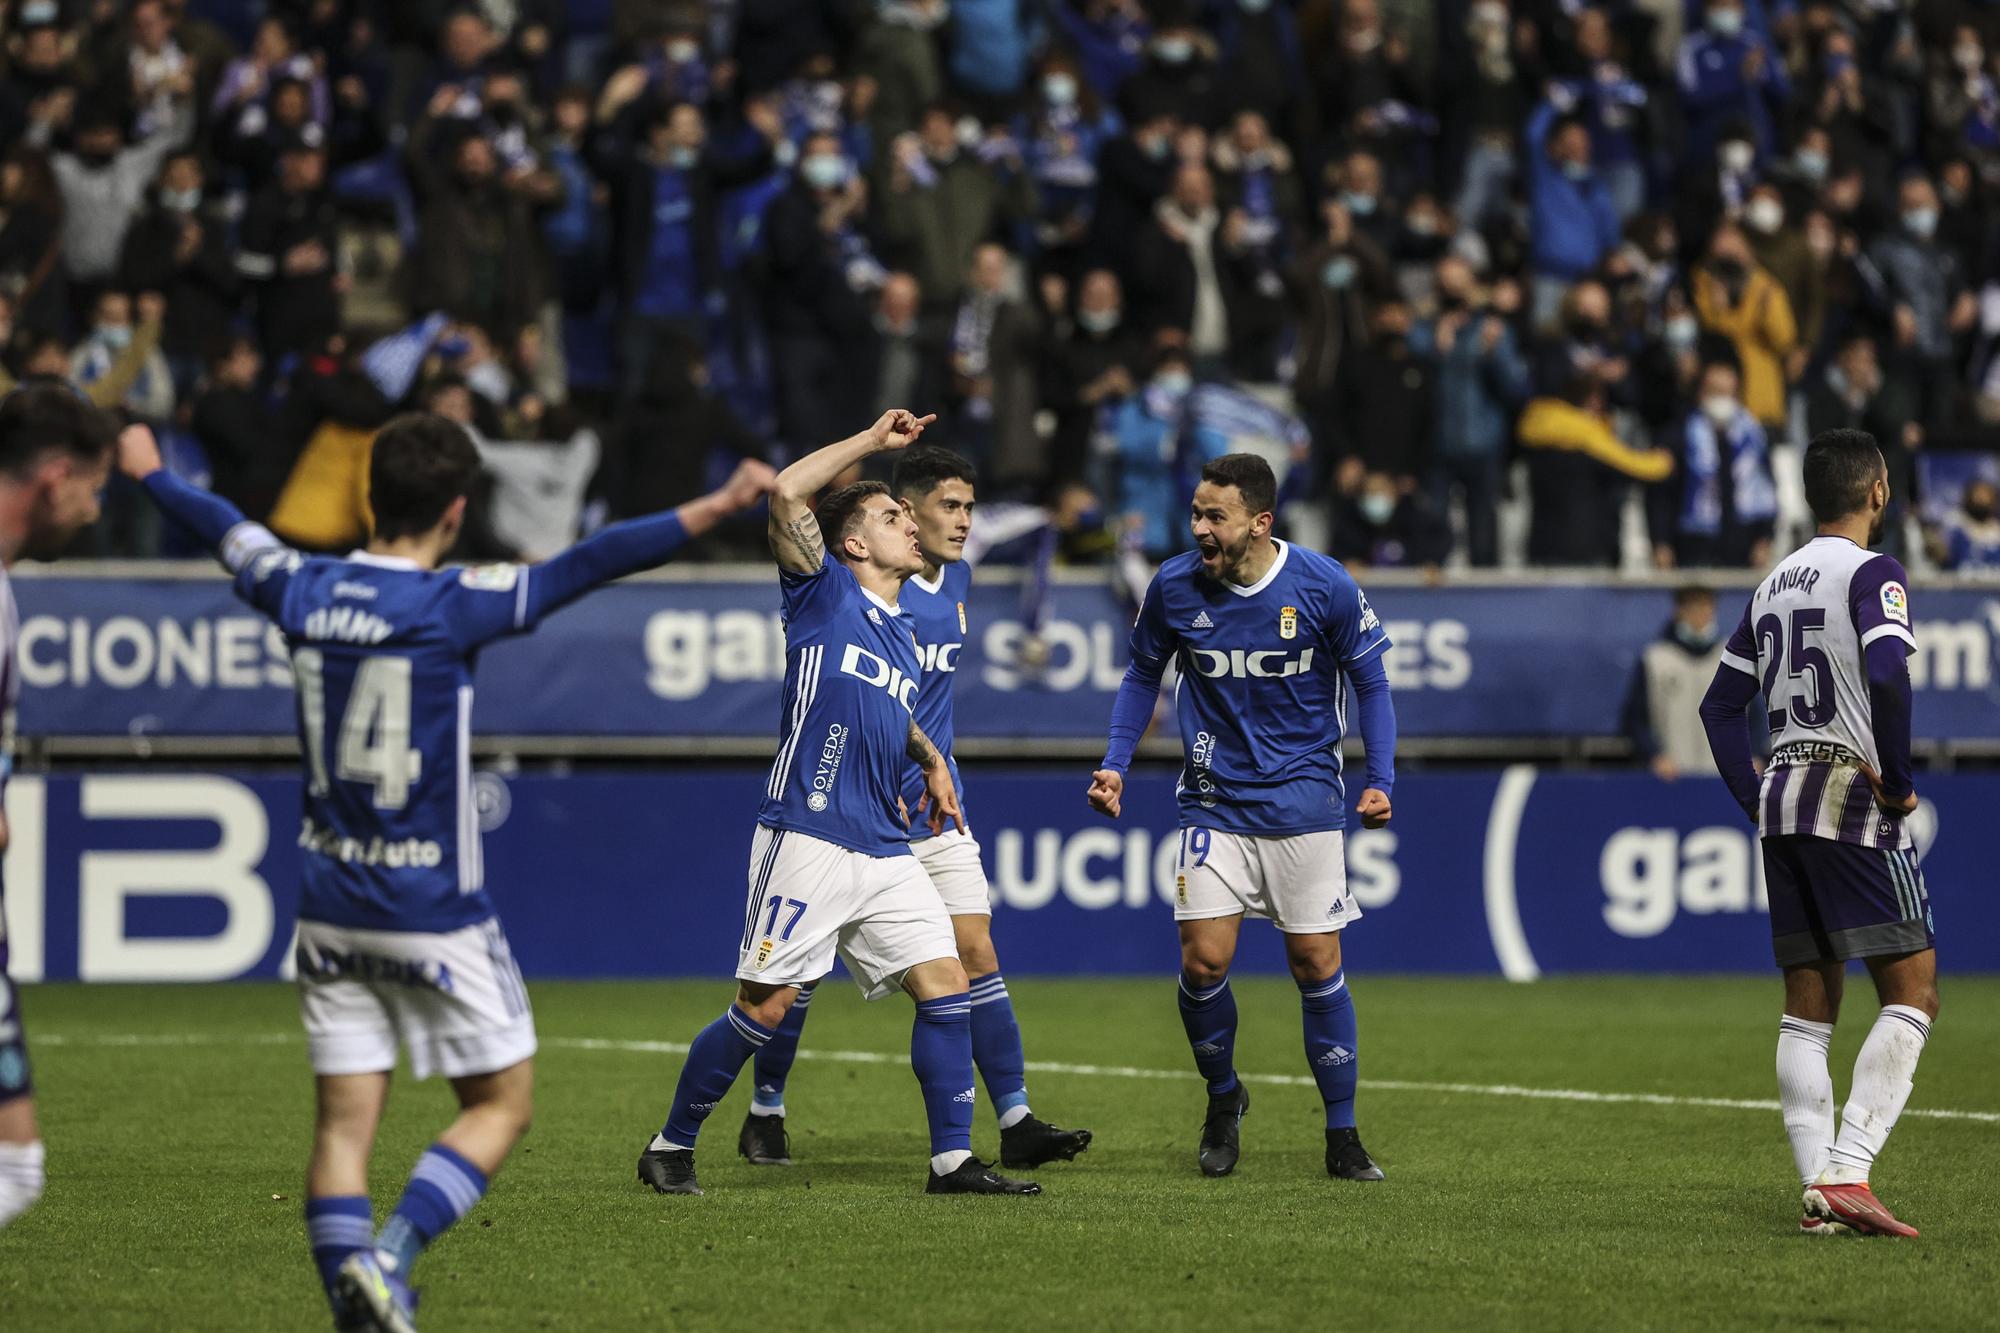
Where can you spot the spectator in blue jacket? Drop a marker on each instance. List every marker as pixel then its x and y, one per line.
pixel 1151 430
pixel 1573 221
pixel 1613 106
pixel 1728 70
pixel 991 52
pixel 1481 382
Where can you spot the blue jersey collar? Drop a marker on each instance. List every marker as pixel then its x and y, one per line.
pixel 1269 574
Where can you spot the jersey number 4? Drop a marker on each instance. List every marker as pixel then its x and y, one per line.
pixel 374 741
pixel 1775 643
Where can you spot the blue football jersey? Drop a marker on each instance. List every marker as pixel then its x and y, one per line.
pixel 382 656
pixel 936 612
pixel 1262 697
pixel 851 680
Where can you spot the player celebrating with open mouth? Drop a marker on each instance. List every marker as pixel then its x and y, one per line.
pixel 1268 636
pixel 830 864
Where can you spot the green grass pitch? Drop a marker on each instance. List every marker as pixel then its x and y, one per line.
pixel 177 1122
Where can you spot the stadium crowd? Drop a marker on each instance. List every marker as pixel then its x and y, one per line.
pixel 1505 280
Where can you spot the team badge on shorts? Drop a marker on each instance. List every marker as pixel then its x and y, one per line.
pixel 1180 890
pixel 764 952
pixel 961 618
pixel 1288 622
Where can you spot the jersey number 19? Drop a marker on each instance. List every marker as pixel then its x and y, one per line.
pixel 374 744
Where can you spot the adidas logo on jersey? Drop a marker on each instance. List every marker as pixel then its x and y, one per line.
pixel 1338 1055
pixel 967 1096
pixel 1201 621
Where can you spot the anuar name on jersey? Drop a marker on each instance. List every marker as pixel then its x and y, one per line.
pixel 936 613
pixel 383 653
pixel 1262 698
pixel 1805 636
pixel 851 680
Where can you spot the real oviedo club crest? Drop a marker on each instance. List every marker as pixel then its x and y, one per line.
pixel 1288 622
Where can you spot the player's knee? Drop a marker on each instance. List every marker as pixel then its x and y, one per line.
pixel 1203 970
pixel 766 1005
pixel 978 958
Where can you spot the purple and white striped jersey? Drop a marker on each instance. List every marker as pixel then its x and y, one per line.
pixel 10 693
pixel 1804 636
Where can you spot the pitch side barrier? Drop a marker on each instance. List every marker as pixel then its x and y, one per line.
pixel 161 661
pixel 165 875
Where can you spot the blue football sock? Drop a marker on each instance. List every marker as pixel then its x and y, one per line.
pixel 773 1064
pixel 337 1225
pixel 996 1048
pixel 1330 1048
pixel 1209 1015
pixel 442 1189
pixel 713 1063
pixel 941 1055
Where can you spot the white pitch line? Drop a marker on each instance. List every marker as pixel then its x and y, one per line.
pixel 637 1047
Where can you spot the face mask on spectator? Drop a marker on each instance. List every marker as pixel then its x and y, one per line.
pixel 1968 56
pixel 683 50
pixel 1489 14
pixel 1422 224
pixel 1765 215
pixel 1174 50
pixel 115 336
pixel 1725 22
pixel 1811 163
pixel 40 13
pixel 1922 222
pixel 1156 147
pixel 1719 408
pixel 1098 321
pixel 1378 508
pixel 1339 271
pixel 683 157
pixel 1255 6
pixel 1361 205
pixel 1576 171
pixel 1060 89
pixel 1682 330
pixel 1173 383
pixel 1698 639
pixel 1737 156
pixel 181 201
pixel 824 171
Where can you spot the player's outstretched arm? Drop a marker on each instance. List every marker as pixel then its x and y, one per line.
pixel 640 543
pixel 940 796
pixel 1725 717
pixel 208 516
pixel 1377 715
pixel 794 532
pixel 1153 642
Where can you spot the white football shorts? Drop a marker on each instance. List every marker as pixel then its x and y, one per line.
pixel 810 898
pixel 455 1000
pixel 1298 881
pixel 952 861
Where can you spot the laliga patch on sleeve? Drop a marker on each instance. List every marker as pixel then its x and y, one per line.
pixel 490 578
pixel 272 560
pixel 1896 603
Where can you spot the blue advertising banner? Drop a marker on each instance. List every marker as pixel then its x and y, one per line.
pixel 193 877
pixel 705 659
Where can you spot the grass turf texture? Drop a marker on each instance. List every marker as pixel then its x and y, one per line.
pixel 175 1168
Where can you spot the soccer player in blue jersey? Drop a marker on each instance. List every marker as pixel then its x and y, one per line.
pixel 830 864
pixel 1268 637
pixel 55 454
pixel 398 941
pixel 1825 639
pixel 935 486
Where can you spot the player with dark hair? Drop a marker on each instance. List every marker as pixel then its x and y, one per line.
pixel 1269 637
pixel 830 864
pixel 1825 640
pixel 55 455
pixel 935 487
pixel 397 939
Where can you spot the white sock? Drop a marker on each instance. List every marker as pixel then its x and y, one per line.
pixel 1805 1092
pixel 1013 1116
pixel 661 1143
pixel 1882 1074
pixel 755 1109
pixel 20 1178
pixel 944 1163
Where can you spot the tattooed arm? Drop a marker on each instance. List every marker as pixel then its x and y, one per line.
pixel 940 794
pixel 794 531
